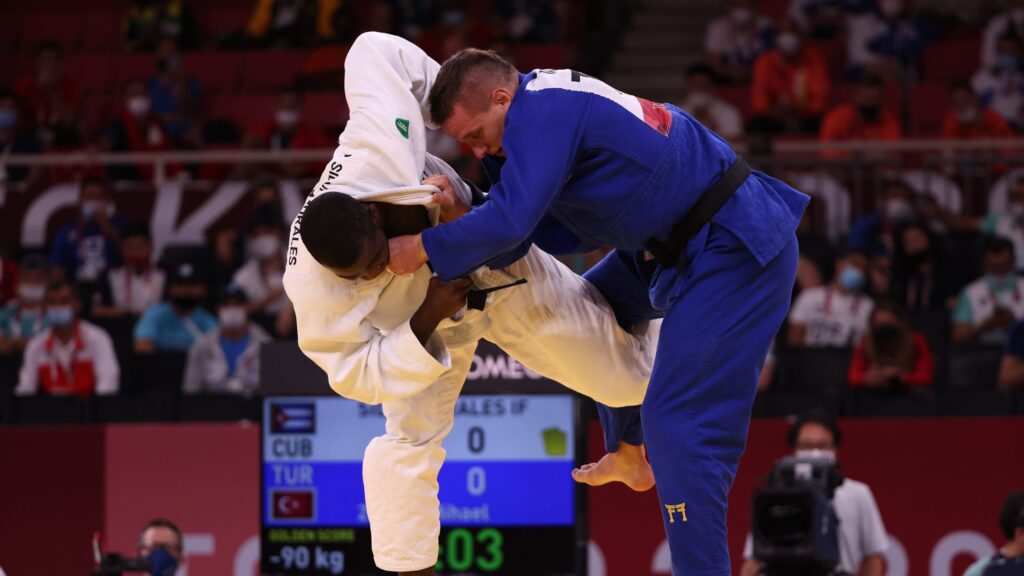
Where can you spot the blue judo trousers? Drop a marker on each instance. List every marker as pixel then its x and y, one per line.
pixel 587 165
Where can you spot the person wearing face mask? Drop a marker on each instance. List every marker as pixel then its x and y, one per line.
pixel 734 41
pixel 135 128
pixel 891 356
pixel 135 286
pixel 25 316
pixel 987 307
pixel 710 110
pixel 836 315
pixel 175 324
pixel 968 119
pixel 865 118
pixel 863 540
pixel 887 40
pixel 161 543
pixel 72 356
pixel 227 360
pixel 15 141
pixel 1000 85
pixel 920 280
pixel 53 103
pixel 262 275
pixel 875 233
pixel 1009 22
pixel 84 249
pixel 287 131
pixel 791 85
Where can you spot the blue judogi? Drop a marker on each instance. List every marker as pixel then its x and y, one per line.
pixel 587 165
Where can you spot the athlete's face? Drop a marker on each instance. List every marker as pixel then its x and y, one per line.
pixel 373 257
pixel 481 130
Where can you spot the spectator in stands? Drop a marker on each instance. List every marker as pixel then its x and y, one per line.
pixel 135 128
pixel 72 356
pixel 53 103
pixel 1009 560
pixel 287 131
pixel 880 282
pixel 825 18
pixel 531 21
pixel 969 120
pixel 84 249
pixel 174 325
pixel 791 85
pixel 1007 23
pixel 735 40
pixel 817 254
pixel 15 141
pixel 161 543
pixel 25 316
pixel 891 355
pixel 702 103
pixel 836 315
pixel 149 22
pixel 134 287
pixel 1011 368
pixel 261 276
pixel 919 279
pixel 887 40
pixel 1000 85
pixel 987 307
pixel 228 358
pixel 874 233
pixel 863 540
pixel 865 118
pixel 282 23
pixel 175 97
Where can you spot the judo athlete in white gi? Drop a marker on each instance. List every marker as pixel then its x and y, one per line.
pixel 362 328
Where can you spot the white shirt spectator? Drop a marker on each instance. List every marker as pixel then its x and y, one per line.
pixel 258 285
pixel 207 367
pixel 1003 92
pixel 861 531
pixel 833 318
pixel 861 30
pixel 737 45
pixel 996 28
pixel 135 292
pixel 86 364
pixel 717 114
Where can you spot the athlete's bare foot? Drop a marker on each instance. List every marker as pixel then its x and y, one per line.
pixel 629 465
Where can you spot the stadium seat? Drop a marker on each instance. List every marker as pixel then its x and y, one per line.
pixel 217 408
pixel 325 110
pixel 121 329
pixel 530 56
pixel 10 33
pixel 102 31
pixel 159 375
pixel 244 109
pixel 271 70
pixel 324 67
pixel 945 62
pixel 220 21
pixel 931 102
pixel 976 403
pixel 132 67
pixel 93 72
pixel 738 96
pixel 915 403
pixel 215 71
pixel 62 28
pixel 973 368
pixel 48 410
pixel 834 53
pixel 109 409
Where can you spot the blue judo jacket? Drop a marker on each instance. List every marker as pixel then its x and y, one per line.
pixel 587 165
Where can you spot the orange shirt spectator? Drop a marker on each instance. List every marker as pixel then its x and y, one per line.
pixel 53 102
pixel 799 83
pixel 988 124
pixel 864 118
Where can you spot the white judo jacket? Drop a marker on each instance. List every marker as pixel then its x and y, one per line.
pixel 358 331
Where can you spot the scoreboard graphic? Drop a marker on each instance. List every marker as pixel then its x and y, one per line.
pixel 509 505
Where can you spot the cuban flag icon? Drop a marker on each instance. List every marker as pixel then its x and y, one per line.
pixel 293 418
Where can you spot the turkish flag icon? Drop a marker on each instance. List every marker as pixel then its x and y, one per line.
pixel 292 505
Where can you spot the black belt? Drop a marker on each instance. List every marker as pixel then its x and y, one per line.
pixel 672 252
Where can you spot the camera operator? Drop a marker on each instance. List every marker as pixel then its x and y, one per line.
pixel 862 536
pixel 160 542
pixel 1009 560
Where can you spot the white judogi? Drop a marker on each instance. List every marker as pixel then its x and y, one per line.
pixel 358 331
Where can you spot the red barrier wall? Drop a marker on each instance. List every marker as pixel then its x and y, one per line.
pixel 939 485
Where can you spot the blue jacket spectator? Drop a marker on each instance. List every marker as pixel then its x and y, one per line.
pixel 175 324
pixel 86 248
pixel 175 97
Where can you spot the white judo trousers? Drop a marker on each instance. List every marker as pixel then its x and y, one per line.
pixel 358 331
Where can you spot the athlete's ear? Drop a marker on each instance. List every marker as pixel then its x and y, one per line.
pixel 501 97
pixel 374 213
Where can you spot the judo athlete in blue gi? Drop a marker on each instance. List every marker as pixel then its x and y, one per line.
pixel 699 240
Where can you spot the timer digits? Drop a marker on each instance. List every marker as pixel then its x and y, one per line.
pixel 462 549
